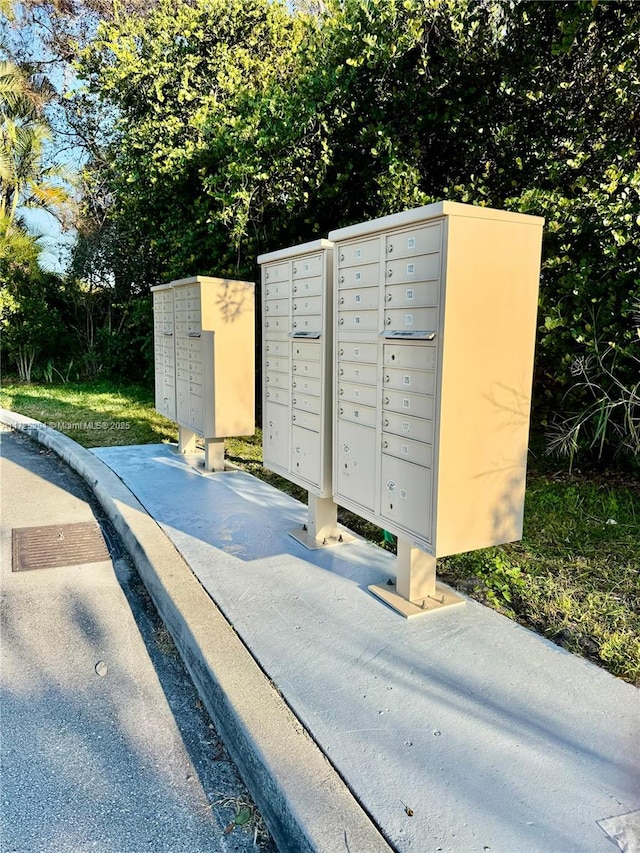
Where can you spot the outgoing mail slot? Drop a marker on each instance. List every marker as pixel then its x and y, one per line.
pixel 362 374
pixel 407 319
pixel 419 356
pixel 414 381
pixel 308 286
pixel 364 395
pixel 306 402
pixel 307 266
pixel 358 321
pixel 406 426
pixel 418 405
pixel 420 268
pixel 355 351
pixel 363 275
pixel 358 298
pixel 306 368
pixel 419 295
pixel 307 305
pixel 413 241
pixel 361 252
pixel 303 385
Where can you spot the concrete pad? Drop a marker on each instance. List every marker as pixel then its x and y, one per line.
pixel 461 731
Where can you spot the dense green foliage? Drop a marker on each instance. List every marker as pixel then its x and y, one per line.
pixel 242 128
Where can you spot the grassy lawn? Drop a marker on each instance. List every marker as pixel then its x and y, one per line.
pixel 574 577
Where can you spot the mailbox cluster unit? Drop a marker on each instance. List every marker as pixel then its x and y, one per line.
pixel 434 326
pixel 205 361
pixel 296 365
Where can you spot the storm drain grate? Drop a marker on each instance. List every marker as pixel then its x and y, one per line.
pixel 57 545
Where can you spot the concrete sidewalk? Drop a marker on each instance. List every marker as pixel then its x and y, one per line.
pixel 458 732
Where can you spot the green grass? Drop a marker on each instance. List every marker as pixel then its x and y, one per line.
pixel 95 414
pixel 574 577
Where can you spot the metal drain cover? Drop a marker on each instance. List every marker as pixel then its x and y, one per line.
pixel 57 545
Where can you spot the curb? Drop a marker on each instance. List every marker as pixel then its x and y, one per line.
pixel 306 805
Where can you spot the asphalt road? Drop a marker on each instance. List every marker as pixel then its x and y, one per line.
pixel 105 745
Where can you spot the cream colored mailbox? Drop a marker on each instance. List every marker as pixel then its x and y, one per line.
pixel 214 337
pixel 296 368
pixel 435 322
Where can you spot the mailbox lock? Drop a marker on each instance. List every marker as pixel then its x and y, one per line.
pixel 389 297
pixel 342 256
pixel 386 423
pixel 342 413
pixel 293 417
pixel 386 378
pixel 341 392
pixel 390 273
pixel 295 307
pixel 386 401
pixel 341 321
pixel 295 289
pixel 390 248
pixel 341 352
pixel 388 321
pixel 342 300
pixel 294 324
pixel 267 291
pixel 391 485
pixel 294 401
pixel 341 279
pixel 294 384
pixel 341 372
pixel 295 270
pixel 266 275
